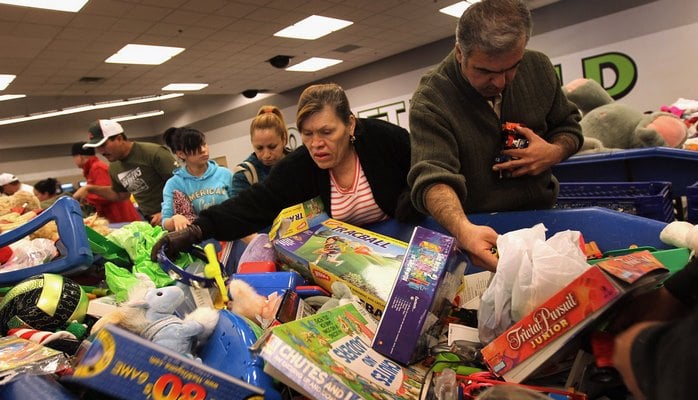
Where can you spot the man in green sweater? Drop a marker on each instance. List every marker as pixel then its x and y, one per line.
pixel 135 168
pixel 456 119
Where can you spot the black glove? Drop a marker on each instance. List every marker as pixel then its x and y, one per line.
pixel 175 242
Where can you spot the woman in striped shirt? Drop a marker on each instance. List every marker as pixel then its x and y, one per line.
pixel 357 166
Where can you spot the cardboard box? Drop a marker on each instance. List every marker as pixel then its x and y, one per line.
pixel 124 365
pixel 524 348
pixel 421 297
pixel 298 218
pixel 290 308
pixel 336 251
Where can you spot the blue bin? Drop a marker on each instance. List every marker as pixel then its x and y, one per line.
pixel 611 230
pixel 677 166
pixel 74 248
pixel 692 203
pixel 647 199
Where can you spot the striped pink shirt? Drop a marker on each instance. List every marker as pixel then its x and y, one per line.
pixel 356 205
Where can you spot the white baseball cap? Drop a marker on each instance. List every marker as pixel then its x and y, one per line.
pixel 101 130
pixel 6 178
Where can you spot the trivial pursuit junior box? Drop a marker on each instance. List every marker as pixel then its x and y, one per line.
pixel 421 297
pixel 126 366
pixel 332 250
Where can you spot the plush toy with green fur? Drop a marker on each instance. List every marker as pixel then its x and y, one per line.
pixel 608 125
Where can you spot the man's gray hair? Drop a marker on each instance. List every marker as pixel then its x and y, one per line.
pixel 493 26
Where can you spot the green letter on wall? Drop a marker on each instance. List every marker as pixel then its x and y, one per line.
pixel 622 66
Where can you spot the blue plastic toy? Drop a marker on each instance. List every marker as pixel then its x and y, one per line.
pixel 228 350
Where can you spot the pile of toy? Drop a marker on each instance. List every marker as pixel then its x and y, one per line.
pixel 317 308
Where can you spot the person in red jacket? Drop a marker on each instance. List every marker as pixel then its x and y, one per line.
pixel 96 172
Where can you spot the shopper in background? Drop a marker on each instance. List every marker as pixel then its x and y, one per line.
pixel 96 172
pixel 198 184
pixel 269 138
pixel 657 353
pixel 357 166
pixel 135 168
pixel 456 117
pixel 48 191
pixel 9 184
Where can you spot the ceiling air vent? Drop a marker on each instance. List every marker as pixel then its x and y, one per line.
pixel 347 48
pixel 91 79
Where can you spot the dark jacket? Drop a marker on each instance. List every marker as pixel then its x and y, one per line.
pixel 384 154
pixel 664 356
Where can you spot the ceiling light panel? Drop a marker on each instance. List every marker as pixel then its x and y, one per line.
pixel 145 114
pixel 5 80
pixel 4 97
pixel 313 27
pixel 144 54
pixel 57 5
pixel 456 10
pixel 185 86
pixel 314 64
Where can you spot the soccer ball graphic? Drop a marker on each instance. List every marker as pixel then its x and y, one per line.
pixel 44 302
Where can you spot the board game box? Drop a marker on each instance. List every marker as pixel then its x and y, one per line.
pixel 328 356
pixel 124 365
pixel 421 297
pixel 333 250
pixel 528 344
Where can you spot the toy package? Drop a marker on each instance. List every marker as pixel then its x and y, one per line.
pixel 366 261
pixel 298 218
pixel 328 356
pixel 429 278
pixel 124 365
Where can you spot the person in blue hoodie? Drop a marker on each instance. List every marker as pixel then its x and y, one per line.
pixel 198 184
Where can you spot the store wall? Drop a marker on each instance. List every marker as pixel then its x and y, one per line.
pixel 645 53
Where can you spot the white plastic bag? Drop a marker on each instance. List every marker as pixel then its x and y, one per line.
pixel 554 264
pixel 494 314
pixel 529 271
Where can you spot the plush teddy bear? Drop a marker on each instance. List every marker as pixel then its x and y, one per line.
pixel 150 313
pixel 19 200
pixel 607 124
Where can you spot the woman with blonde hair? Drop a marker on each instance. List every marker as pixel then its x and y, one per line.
pixel 269 137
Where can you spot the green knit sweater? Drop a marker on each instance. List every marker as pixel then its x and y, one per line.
pixel 455 135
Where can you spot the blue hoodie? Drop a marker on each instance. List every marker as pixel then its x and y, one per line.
pixel 213 187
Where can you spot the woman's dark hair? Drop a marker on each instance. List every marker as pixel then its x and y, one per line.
pixel 316 97
pixel 48 186
pixel 185 139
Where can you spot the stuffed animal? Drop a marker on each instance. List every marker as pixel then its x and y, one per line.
pixel 607 124
pixel 19 200
pixel 149 312
pixel 341 294
pixel 247 302
pixel 680 234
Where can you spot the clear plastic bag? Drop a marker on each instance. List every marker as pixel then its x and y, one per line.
pixel 529 271
pixel 29 253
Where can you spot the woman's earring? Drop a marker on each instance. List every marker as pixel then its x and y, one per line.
pixel 352 139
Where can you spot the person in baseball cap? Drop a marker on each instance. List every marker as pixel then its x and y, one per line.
pixel 135 168
pixel 101 130
pixel 10 184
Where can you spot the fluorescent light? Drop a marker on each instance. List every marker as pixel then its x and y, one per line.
pixel 4 97
pixel 60 5
pixel 144 54
pixel 185 86
pixel 87 107
pixel 313 27
pixel 5 80
pixel 144 114
pixel 456 10
pixel 313 64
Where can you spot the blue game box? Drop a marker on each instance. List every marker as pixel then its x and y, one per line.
pixel 429 279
